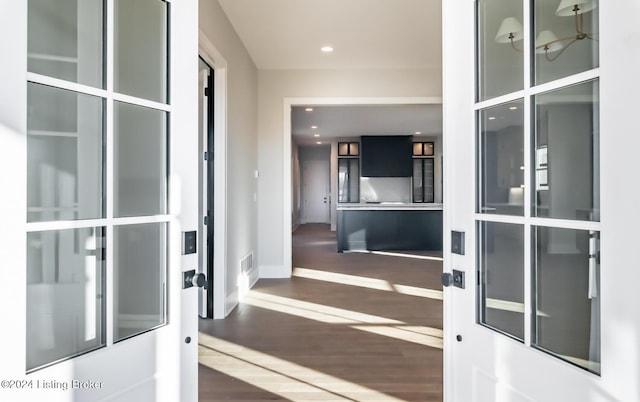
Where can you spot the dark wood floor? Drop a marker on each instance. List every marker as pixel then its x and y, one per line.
pixel 345 327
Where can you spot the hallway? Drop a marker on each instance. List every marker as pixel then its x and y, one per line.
pixel 345 327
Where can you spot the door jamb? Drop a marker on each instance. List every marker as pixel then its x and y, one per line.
pixel 214 59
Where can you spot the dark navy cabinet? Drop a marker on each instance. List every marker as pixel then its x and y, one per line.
pixel 389 230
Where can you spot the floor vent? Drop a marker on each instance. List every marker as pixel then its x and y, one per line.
pixel 246 264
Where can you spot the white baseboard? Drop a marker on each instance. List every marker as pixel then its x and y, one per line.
pixel 231 302
pixel 274 271
pixel 253 275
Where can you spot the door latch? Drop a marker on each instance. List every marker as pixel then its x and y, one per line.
pixel 191 279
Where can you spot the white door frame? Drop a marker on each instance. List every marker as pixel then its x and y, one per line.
pixel 214 58
pixel 288 103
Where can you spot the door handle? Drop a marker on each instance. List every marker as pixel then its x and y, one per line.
pixel 455 278
pixel 191 279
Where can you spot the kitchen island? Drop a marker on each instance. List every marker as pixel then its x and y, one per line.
pixel 389 226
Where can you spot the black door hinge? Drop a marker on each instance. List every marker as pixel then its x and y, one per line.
pixel 206 220
pixel 206 91
pixel 206 156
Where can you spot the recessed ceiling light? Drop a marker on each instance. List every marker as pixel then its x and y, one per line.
pixel 314 127
pixel 418 132
pixel 513 108
pixel 319 143
pixel 309 109
pixel 316 135
pixel 327 49
pixel 492 118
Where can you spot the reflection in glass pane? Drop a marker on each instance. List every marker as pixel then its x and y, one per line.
pixel 501 248
pixel 65 294
pixel 566 35
pixel 343 180
pixel 141 48
pixel 64 155
pixel 418 181
pixel 65 40
pixel 139 278
pixel 500 56
pixel 427 174
pixel 348 179
pixel 140 169
pixel 567 167
pixel 567 280
pixel 501 156
pixel 354 180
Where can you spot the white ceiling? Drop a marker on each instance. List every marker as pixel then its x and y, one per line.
pixel 288 34
pixel 369 34
pixel 357 120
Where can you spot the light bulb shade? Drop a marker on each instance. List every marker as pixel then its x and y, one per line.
pixel 509 26
pixel 566 7
pixel 545 38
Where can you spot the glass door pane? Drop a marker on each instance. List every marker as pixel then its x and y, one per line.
pixel 501 158
pixel 567 165
pixel 139 278
pixel 140 161
pixel 428 178
pixel 64 155
pixel 65 40
pixel 500 67
pixel 65 294
pixel 354 180
pixel 566 41
pixel 501 304
pixel 141 48
pixel 567 280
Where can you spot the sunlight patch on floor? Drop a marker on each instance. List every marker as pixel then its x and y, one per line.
pixel 343 279
pixel 365 282
pixel 405 255
pixel 420 292
pixel 280 377
pixel 320 312
pixel 402 334
pixel 396 254
pixel 422 335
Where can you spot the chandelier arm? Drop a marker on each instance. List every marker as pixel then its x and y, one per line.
pixel 579 21
pixel 556 41
pixel 513 45
pixel 546 53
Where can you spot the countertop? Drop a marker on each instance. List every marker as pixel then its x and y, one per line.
pixel 390 206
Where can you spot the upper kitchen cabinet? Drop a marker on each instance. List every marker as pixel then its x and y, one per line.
pixel 386 156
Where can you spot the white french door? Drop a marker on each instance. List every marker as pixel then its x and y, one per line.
pixel 535 107
pixel 98 125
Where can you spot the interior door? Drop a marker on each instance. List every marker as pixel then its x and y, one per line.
pixel 316 191
pixel 89 120
pixel 530 248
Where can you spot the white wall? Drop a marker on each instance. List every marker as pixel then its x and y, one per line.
pixel 242 85
pixel 274 87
